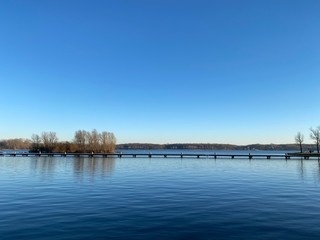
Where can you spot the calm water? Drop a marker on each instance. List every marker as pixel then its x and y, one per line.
pixel 158 198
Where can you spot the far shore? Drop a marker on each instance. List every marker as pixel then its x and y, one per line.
pixel 215 146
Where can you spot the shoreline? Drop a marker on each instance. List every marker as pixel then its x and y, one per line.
pixel 213 146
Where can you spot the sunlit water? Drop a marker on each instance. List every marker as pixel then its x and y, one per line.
pixel 158 198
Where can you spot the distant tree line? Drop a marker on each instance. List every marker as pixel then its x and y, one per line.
pixel 314 135
pixel 210 146
pixel 17 143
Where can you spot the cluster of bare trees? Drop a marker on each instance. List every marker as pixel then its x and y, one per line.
pixel 46 142
pixel 94 141
pixel 314 135
pixel 84 141
pixel 16 143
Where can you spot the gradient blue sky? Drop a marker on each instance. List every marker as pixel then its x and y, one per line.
pixel 161 71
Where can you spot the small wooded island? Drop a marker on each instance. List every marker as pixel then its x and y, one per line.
pixel 84 141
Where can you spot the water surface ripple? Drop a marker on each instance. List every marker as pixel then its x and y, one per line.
pixel 158 198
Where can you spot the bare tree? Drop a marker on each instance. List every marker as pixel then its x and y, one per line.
pixel 113 142
pixel 45 140
pixel 52 140
pixel 36 142
pixel 299 140
pixel 315 135
pixel 49 140
pixel 89 141
pixel 108 142
pixel 80 137
pixel 95 141
pixel 104 141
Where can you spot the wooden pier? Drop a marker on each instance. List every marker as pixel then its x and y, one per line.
pixel 167 155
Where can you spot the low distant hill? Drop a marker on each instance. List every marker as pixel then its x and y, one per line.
pixel 214 146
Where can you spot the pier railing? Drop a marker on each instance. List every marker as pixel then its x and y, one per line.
pixel 165 155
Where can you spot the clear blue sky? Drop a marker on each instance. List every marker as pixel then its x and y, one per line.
pixel 161 71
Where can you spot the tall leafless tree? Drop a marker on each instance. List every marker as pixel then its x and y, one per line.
pixel 89 141
pixel 299 140
pixel 53 139
pixel 95 141
pixel 104 142
pixel 113 141
pixel 80 140
pixel 45 140
pixel 315 135
pixel 49 140
pixel 36 142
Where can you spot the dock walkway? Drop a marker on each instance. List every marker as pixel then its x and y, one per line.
pixel 166 155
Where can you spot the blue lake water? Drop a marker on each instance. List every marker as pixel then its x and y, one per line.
pixel 158 198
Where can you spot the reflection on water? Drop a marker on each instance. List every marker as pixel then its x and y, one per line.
pixel 301 168
pixel 93 166
pixel 308 167
pixel 48 166
pixel 43 165
pixel 83 167
pixel 157 198
pixel 316 172
pixel 103 167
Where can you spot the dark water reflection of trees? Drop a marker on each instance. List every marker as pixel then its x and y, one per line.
pixel 93 166
pixel 301 168
pixel 43 165
pixel 81 167
pixel 304 166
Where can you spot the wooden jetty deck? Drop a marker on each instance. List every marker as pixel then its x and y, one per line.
pixel 166 155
